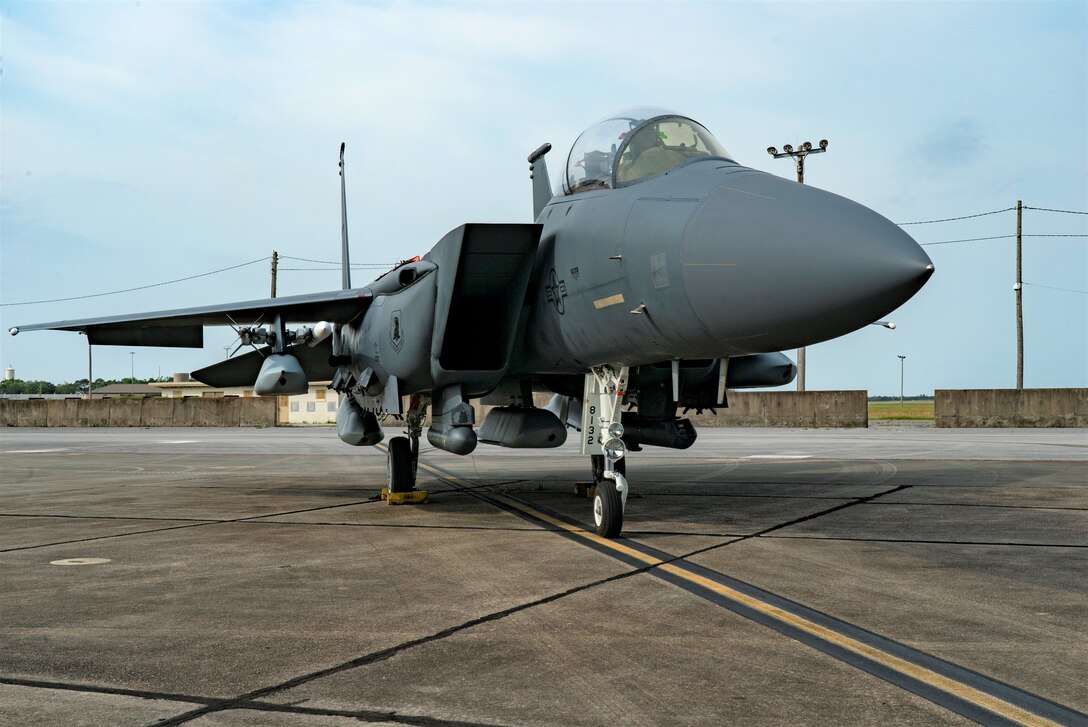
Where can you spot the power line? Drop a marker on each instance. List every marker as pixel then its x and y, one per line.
pixel 139 287
pixel 326 270
pixel 1047 209
pixel 353 267
pixel 1051 287
pixel 331 262
pixel 953 219
pixel 968 239
pixel 993 237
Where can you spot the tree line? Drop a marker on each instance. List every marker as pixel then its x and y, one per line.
pixel 79 386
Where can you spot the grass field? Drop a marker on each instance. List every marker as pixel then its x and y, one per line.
pixel 895 410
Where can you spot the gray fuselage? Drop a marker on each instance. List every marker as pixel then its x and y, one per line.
pixel 708 260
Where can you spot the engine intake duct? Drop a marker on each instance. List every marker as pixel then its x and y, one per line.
pixel 671 433
pixel 519 427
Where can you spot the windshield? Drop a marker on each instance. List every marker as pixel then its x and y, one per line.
pixel 589 165
pixel 646 142
pixel 662 144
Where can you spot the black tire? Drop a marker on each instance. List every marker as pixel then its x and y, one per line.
pixel 401 469
pixel 607 509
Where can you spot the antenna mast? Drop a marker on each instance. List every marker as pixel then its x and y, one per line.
pixel 345 264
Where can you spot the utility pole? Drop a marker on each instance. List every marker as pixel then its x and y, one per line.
pixel 275 268
pixel 799 157
pixel 902 360
pixel 90 368
pixel 1019 288
pixel 132 367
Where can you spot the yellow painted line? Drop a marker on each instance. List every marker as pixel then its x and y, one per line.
pixel 610 300
pixel 926 676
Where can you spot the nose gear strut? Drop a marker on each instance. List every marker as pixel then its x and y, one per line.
pixel 602 439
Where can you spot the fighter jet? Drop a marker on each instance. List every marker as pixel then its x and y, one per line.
pixel 658 275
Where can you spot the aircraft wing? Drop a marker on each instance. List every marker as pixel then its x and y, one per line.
pixel 243 370
pixel 184 327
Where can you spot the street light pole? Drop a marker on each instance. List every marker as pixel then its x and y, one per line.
pixel 902 360
pixel 798 155
pixel 132 367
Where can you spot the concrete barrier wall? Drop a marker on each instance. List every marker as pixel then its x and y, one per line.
pixel 746 409
pixel 151 412
pixel 770 409
pixel 789 409
pixel 1011 407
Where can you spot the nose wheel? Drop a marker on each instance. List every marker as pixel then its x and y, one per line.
pixel 602 439
pixel 608 509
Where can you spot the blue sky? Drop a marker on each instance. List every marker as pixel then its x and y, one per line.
pixel 142 142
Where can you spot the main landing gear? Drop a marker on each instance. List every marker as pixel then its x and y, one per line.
pixel 602 435
pixel 404 459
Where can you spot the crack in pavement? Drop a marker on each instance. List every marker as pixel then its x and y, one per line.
pixel 392 651
pixel 361 714
pixel 182 527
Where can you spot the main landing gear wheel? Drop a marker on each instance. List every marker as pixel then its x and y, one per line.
pixel 607 509
pixel 401 465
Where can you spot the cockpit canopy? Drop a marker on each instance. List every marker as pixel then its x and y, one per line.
pixel 632 145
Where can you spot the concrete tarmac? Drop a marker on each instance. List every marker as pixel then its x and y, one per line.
pixel 890 576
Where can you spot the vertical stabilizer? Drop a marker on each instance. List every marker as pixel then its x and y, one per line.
pixel 345 263
pixel 542 184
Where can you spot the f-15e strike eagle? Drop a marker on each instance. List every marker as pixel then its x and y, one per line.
pixel 662 274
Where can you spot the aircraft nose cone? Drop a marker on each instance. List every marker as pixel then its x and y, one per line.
pixel 803 265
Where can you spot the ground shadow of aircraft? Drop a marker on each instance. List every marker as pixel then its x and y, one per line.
pixel 660 275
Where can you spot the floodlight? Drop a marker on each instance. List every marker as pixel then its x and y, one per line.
pixel 614 449
pixel 807 146
pixel 788 148
pixel 823 143
pixel 772 150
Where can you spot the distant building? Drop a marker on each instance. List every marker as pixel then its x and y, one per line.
pixel 115 390
pixel 316 406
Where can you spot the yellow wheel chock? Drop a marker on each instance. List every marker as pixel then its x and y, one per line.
pixel 415 497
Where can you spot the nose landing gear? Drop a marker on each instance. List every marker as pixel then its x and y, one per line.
pixel 602 435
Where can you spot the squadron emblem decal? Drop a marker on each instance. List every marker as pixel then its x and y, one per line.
pixel 396 335
pixel 556 292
